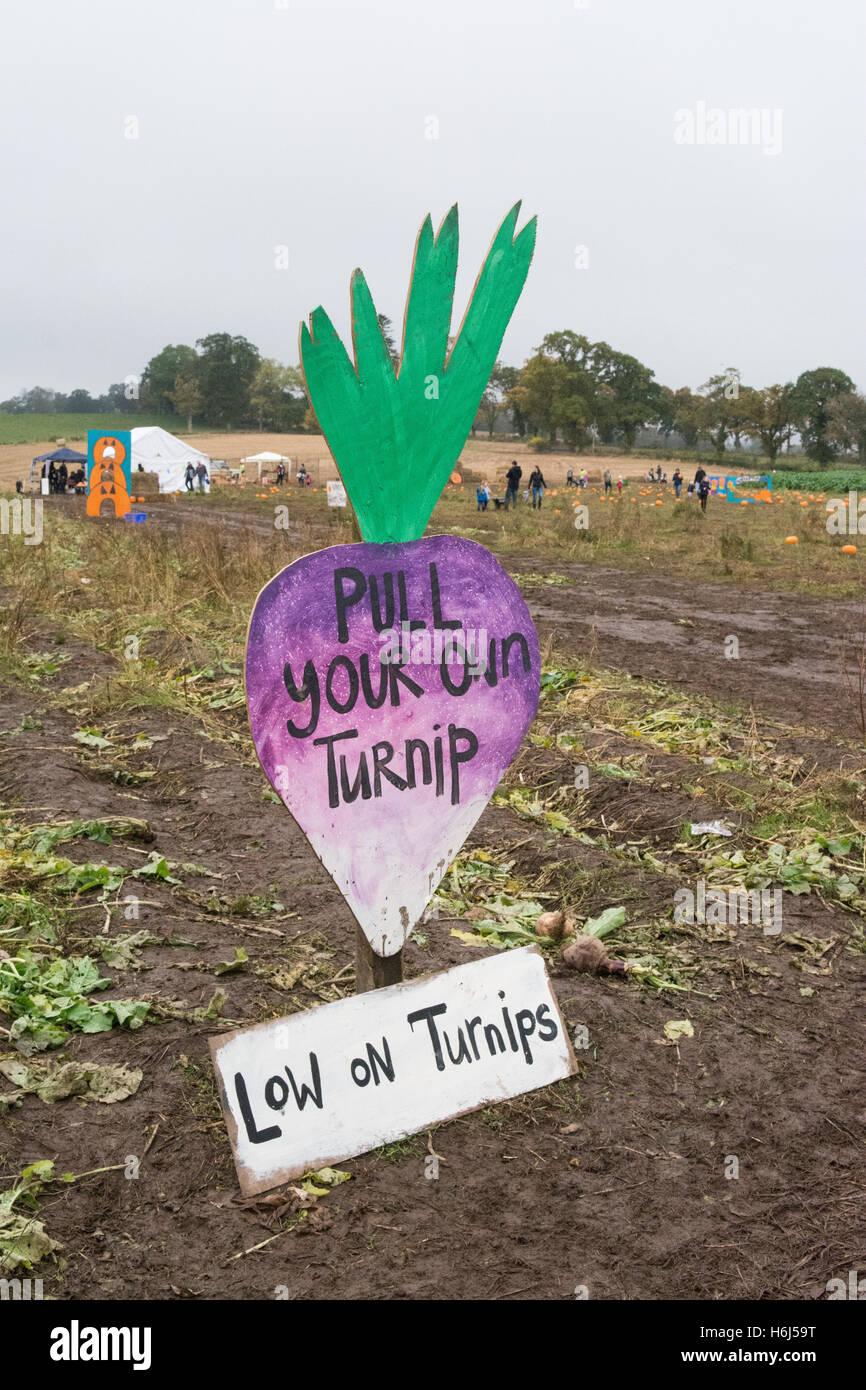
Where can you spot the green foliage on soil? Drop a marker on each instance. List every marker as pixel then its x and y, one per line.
pixel 48 999
pixel 46 989
pixel 23 1238
pixel 834 480
pixel 833 866
pixel 502 910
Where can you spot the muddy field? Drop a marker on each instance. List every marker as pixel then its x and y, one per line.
pixel 618 1180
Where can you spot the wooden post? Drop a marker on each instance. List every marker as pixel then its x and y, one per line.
pixel 372 971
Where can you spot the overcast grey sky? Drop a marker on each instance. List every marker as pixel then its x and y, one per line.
pixel 307 124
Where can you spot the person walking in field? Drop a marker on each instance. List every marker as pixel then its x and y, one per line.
pixel 189 477
pixel 281 474
pixel 704 491
pixel 619 485
pixel 512 479
pixel 201 474
pixel 536 486
pixel 677 482
pixel 584 479
pixel 608 481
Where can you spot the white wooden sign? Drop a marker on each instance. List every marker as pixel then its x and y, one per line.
pixel 321 1086
pixel 336 494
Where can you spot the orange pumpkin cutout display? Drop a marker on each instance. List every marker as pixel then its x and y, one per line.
pixel 107 477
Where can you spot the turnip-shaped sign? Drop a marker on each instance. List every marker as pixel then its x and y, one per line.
pixel 391 682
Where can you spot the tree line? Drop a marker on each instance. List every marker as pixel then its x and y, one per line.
pixel 223 381
pixel 570 391
pixel 578 391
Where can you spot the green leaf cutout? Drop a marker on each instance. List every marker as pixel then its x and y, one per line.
pixel 396 436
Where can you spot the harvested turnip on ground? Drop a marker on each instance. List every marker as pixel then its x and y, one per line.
pixel 586 953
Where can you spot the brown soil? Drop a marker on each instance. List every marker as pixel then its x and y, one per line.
pixel 791 649
pixel 614 1180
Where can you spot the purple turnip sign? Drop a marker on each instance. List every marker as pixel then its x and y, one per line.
pixel 389 683
pixel 389 686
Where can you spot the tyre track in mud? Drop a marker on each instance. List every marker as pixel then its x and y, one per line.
pixel 791 649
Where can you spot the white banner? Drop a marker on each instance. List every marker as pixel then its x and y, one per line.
pixel 319 1087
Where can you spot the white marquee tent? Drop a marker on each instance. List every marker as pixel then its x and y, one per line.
pixel 268 458
pixel 164 454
